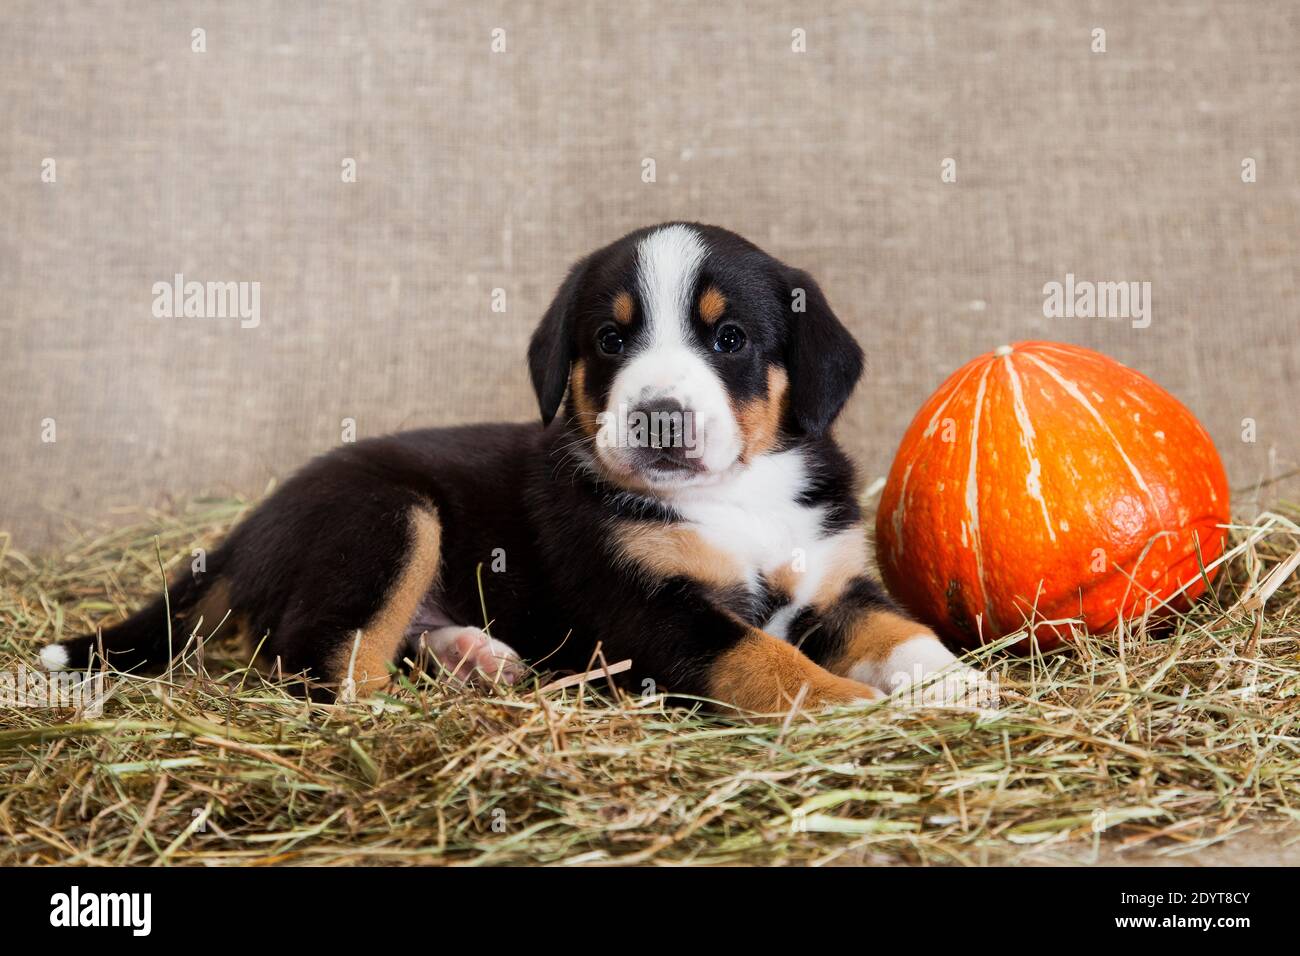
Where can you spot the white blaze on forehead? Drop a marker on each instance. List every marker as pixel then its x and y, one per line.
pixel 665 361
pixel 668 263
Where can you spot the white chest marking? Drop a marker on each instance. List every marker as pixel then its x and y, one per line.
pixel 755 517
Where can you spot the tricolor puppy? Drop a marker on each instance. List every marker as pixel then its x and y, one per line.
pixel 682 503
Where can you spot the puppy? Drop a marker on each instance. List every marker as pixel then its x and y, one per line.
pixel 682 504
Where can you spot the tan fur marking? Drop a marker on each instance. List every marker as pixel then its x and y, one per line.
pixel 873 636
pixel 623 308
pixel 760 419
pixel 582 405
pixel 784 580
pixel 712 304
pixel 382 637
pixel 216 614
pixel 848 561
pixel 765 674
pixel 672 550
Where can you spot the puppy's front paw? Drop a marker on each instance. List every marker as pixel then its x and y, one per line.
pixel 921 672
pixel 471 654
pixel 954 686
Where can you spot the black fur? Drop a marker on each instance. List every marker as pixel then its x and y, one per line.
pixel 823 359
pixel 550 351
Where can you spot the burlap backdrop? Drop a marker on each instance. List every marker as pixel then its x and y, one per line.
pixel 479 171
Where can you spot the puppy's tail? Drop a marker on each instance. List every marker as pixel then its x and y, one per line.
pixel 148 638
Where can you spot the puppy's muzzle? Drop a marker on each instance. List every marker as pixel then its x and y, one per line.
pixel 668 438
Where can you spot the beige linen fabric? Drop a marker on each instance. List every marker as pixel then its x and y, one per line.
pixel 479 171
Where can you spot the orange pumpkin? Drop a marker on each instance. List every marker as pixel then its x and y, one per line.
pixel 1043 482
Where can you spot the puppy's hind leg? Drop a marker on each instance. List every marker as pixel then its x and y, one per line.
pixel 359 664
pixel 471 654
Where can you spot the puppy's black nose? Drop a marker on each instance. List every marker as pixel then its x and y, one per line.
pixel 664 428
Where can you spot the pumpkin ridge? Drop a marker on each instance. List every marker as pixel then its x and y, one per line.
pixel 899 511
pixel 1072 389
pixel 973 493
pixel 1127 567
pixel 1033 481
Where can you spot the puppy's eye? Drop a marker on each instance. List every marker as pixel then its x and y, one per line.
pixel 610 340
pixel 730 339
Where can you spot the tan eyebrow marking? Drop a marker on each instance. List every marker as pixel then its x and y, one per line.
pixel 623 308
pixel 712 305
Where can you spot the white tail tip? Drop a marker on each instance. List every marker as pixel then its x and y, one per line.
pixel 54 657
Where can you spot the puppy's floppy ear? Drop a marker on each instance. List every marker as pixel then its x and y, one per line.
pixel 551 351
pixel 822 358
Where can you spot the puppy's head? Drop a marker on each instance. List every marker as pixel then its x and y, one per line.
pixel 687 352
